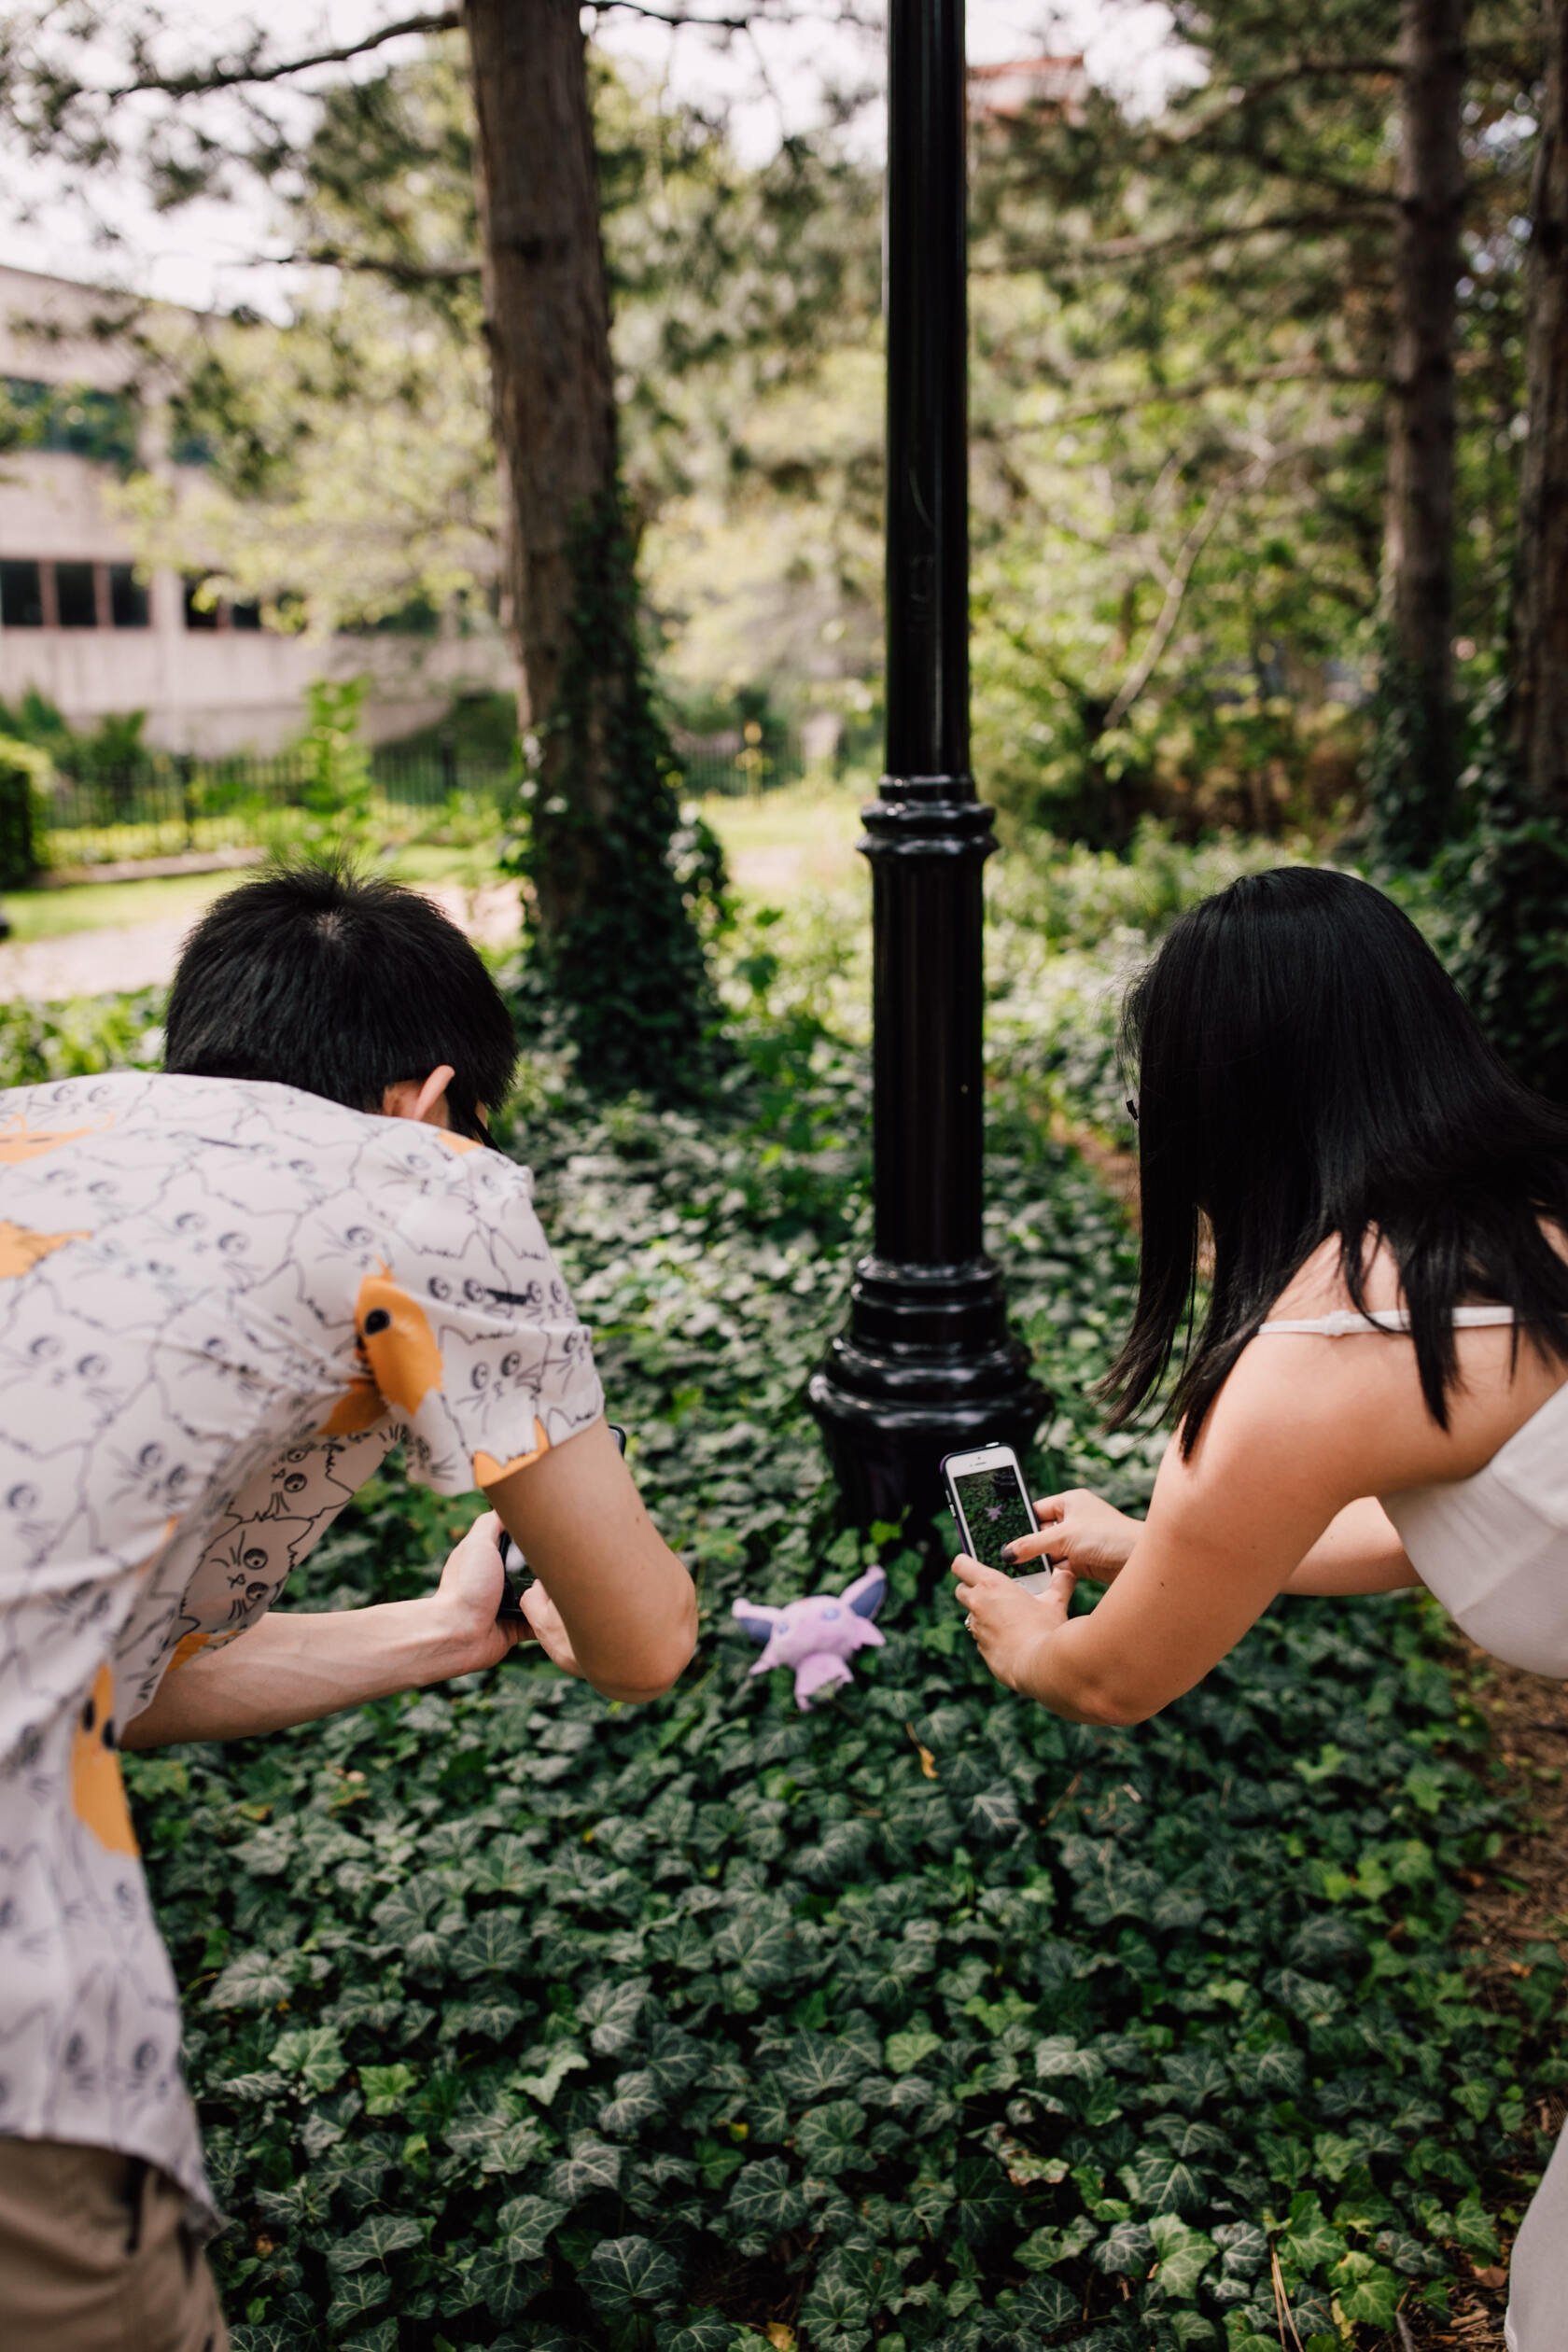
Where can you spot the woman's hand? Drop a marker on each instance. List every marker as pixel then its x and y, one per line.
pixel 1010 1625
pixel 1080 1532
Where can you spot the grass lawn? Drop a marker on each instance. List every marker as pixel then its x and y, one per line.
pixel 802 837
pixel 87 907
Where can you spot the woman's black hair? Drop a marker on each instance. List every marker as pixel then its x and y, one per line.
pixel 1306 1067
pixel 314 976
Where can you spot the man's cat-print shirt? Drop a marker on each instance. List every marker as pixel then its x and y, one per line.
pixel 221 1304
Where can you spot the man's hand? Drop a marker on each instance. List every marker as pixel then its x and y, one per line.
pixel 462 1609
pixel 1082 1532
pixel 544 1618
pixel 1008 1625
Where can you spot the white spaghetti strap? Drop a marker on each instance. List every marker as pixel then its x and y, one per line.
pixel 1344 1322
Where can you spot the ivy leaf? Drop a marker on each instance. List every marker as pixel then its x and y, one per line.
pixel 760 1941
pixel 1048 2247
pixel 831 2139
pixel 314 2054
pixel 1472 2227
pixel 983 2198
pixel 1192 2076
pixel 1310 2240
pixel 559 2062
pixel 492 1944
pixel 840 2298
pixel 994 1813
pixel 905 2050
pixel 1184 2253
pixel 382 2234
pixel 636 2102
pixel 1165 2183
pixel 700 2335
pixel 526 2225
pixel 354 2296
pixel 627 2275
pixel 1126 2250
pixel 592 2165
pixel 611 2010
pixel 813 2066
pixel 1366 2291
pixel 505 2286
pixel 1040 2307
pixel 765 2200
pixel 257 1980
pixel 1058 2059
pixel 386 2088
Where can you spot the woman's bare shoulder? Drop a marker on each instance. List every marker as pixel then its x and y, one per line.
pixel 1318 1286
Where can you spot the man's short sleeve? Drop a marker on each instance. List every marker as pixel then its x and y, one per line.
pixel 468 1332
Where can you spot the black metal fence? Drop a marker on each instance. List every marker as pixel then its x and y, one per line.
pixel 169 805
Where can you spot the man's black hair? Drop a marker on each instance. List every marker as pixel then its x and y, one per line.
pixel 317 977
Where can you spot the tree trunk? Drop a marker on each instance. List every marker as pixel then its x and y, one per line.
pixel 1419 545
pixel 1539 714
pixel 547 319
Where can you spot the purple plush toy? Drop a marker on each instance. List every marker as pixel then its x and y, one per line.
pixel 816 1635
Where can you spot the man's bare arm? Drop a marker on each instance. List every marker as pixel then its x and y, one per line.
pixel 295 1665
pixel 626 1602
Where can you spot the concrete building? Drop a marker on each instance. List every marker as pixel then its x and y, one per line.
pixel 1054 86
pixel 83 626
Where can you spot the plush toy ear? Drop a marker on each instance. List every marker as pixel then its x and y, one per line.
pixel 762 1624
pixel 867 1593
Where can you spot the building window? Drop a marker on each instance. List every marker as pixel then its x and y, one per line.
pixel 22 593
pixel 76 596
pixel 245 616
pixel 203 615
pixel 128 598
pixel 72 419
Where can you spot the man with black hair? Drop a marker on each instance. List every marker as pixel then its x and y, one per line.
pixel 226 1292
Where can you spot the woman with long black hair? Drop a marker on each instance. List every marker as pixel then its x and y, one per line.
pixel 1378 1394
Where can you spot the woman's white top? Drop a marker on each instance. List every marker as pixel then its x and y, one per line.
pixel 1493 1547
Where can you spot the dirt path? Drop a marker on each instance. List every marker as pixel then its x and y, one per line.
pixel 144 954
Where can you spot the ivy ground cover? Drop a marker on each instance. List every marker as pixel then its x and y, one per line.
pixel 922 2021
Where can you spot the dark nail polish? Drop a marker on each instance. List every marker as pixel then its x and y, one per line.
pixel 1010 1553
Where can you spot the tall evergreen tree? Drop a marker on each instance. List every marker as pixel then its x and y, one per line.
pixel 1417 762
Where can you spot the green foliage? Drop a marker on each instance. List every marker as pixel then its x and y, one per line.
pixel 114 753
pixel 620 898
pixel 24 770
pixel 1503 891
pixel 924 2020
pixel 1411 770
pixel 337 810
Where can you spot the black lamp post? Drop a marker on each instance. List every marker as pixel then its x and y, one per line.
pixel 928 1361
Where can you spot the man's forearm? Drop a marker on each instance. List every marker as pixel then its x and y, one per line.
pixel 297 1665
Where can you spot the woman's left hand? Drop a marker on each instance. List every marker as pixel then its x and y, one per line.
pixel 1008 1625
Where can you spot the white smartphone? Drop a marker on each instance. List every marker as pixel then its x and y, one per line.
pixel 987 1494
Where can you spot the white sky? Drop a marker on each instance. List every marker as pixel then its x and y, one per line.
pixel 212 255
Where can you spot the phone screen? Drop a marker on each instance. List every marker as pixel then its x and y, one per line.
pixel 996 1511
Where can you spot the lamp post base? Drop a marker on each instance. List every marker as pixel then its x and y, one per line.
pixel 927 1366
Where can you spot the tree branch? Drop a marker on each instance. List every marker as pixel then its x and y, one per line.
pixel 1373 207
pixel 409 272
pixel 1287 372
pixel 1170 612
pixel 200 84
